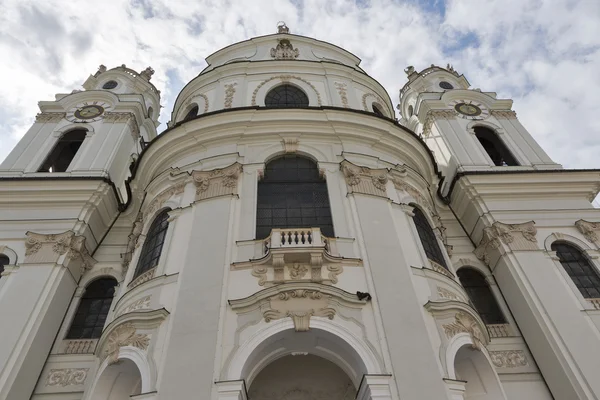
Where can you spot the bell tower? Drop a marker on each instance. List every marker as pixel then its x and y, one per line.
pixel 90 132
pixel 467 129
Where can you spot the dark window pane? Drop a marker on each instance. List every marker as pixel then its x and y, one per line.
pixel 153 245
pixel 428 239
pixel 481 296
pixel 577 266
pixel 4 260
pixel 92 310
pixel 494 147
pixel 286 96
pixel 64 151
pixel 294 195
pixel 191 114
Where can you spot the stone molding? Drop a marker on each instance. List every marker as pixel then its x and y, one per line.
pixel 160 199
pixel 284 51
pixel 364 179
pixel 509 358
pixel 132 242
pixel 141 304
pixel 432 115
pixel 463 322
pixel 508 114
pixel 341 88
pixel 444 293
pixel 145 277
pixel 229 92
pixel 43 248
pixel 364 100
pixel 128 117
pixel 285 78
pixel 131 329
pixel 290 145
pixel 514 236
pixel 45 117
pixel 66 377
pixel 589 230
pixel 457 317
pixel 217 182
pixel 189 101
pixel 298 301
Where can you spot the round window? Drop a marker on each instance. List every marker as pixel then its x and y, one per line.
pixel 410 111
pixel 446 85
pixel 110 85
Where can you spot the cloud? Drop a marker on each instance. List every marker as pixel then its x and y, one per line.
pixel 544 55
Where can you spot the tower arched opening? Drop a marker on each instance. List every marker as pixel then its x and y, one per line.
pixel 494 147
pixel 64 151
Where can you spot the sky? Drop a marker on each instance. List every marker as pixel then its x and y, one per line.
pixel 545 55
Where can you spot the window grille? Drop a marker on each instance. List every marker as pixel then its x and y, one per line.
pixel 153 244
pixel 481 296
pixel 292 194
pixel 583 274
pixel 495 147
pixel 428 238
pixel 63 152
pixel 93 309
pixel 286 96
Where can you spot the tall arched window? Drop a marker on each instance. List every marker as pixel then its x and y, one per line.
pixel 583 274
pixel 428 238
pixel 286 96
pixel 4 260
pixel 92 310
pixel 155 239
pixel 292 194
pixel 481 296
pixel 191 114
pixel 63 152
pixel 494 147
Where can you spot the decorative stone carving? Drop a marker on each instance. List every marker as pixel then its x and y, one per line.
pixel 217 182
pixel 589 230
pixel 284 51
pixel 147 73
pixel 285 78
pixel 509 358
pixel 341 88
pixel 297 301
pixel 463 322
pixel 66 377
pixel 508 114
pixel 124 335
pixel 432 115
pixel 290 145
pixel 515 236
pixel 127 117
pixel 282 28
pixel 163 196
pixel 364 179
pixel 132 242
pixel 205 101
pixel 44 117
pixel 145 277
pixel 447 294
pixel 409 70
pixel 140 304
pixel 364 100
pixel 47 248
pixel 229 92
pixel 297 271
pixel 450 68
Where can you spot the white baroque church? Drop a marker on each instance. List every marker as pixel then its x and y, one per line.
pixel 287 238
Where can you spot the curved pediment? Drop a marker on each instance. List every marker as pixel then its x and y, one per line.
pixel 455 317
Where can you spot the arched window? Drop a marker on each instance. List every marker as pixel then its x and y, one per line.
pixel 428 238
pixel 92 310
pixel 377 110
pixel 286 96
pixel 155 238
pixel 481 296
pixel 494 147
pixel 150 112
pixel 4 260
pixel 583 274
pixel 410 111
pixel 292 194
pixel 191 114
pixel 64 151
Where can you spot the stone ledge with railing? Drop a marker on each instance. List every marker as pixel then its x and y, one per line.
pixel 595 303
pixel 298 238
pixel 499 330
pixel 78 346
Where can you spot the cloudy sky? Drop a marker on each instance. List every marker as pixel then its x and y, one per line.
pixel 543 54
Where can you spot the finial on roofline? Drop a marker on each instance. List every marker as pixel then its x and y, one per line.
pixel 282 27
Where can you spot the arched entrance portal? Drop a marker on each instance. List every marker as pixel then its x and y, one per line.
pixel 118 382
pixel 299 377
pixel 482 383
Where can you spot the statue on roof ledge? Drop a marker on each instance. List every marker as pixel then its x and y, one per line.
pixel 282 27
pixel 147 73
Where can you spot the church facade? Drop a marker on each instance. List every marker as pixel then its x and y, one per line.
pixel 287 237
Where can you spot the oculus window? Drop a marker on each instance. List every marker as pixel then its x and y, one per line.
pixel 579 269
pixel 92 310
pixel 481 296
pixel 155 239
pixel 292 194
pixel 286 96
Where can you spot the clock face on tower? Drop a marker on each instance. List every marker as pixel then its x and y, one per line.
pixel 87 111
pixel 470 109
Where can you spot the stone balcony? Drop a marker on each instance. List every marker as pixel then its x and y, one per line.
pixel 298 238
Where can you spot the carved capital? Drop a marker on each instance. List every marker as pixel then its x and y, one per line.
pixel 45 117
pixel 507 114
pixel 284 51
pixel 364 179
pixel 49 247
pixel 589 230
pixel 217 182
pixel 514 236
pixel 509 358
pixel 434 115
pixel 66 377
